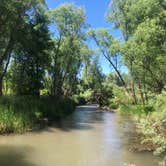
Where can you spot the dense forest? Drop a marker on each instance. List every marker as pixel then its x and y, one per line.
pixel 47 66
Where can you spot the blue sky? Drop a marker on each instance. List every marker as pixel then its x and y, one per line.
pixel 95 11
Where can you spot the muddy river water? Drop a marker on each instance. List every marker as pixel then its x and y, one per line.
pixel 86 138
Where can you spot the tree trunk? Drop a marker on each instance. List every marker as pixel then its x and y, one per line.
pixel 3 73
pixel 112 64
pixel 1 93
pixel 133 93
pixel 141 93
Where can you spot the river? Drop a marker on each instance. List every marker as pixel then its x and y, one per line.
pixel 88 137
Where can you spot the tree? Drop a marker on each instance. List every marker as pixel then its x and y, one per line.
pixel 69 21
pixel 109 47
pixel 13 17
pixel 31 58
pixel 92 75
pixel 142 24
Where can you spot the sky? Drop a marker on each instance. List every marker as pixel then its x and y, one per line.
pixel 95 11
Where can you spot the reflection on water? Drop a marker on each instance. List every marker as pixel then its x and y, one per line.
pixel 85 138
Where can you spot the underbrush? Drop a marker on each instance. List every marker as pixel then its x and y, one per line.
pixel 152 127
pixel 18 114
pixel 150 120
pixel 135 109
pixel 79 100
pixel 119 98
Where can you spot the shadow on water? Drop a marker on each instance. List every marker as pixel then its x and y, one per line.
pixel 14 156
pixel 81 119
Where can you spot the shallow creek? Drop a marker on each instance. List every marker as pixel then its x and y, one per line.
pixel 88 137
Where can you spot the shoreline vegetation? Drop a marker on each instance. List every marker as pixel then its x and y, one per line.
pixel 150 124
pixel 27 113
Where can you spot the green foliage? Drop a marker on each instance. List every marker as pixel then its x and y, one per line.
pixel 158 102
pixel 135 109
pixel 22 22
pixel 92 75
pixel 114 79
pixel 100 95
pixel 79 100
pixel 106 94
pixel 69 48
pixel 153 126
pixel 30 61
pixel 18 114
pixel 88 95
pixel 68 18
pixel 109 47
pixel 11 121
pixel 120 97
pixel 143 26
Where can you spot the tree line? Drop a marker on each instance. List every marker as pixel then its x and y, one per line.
pixel 32 57
pixel 45 51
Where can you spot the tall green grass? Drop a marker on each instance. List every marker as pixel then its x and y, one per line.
pixel 136 109
pixel 18 114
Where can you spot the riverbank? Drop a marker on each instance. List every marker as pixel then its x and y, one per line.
pixel 150 122
pixel 149 131
pixel 21 114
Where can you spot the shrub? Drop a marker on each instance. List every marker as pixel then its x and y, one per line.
pixel 88 95
pixel 153 126
pixel 112 105
pixel 17 114
pixel 120 97
pixel 132 109
pixel 79 100
pixel 11 121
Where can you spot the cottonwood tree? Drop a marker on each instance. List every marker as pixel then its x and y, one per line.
pixel 142 24
pixel 30 54
pixel 14 16
pixel 69 22
pixel 109 47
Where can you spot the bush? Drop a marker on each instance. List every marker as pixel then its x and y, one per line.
pixel 132 109
pixel 79 100
pixel 88 95
pixel 152 127
pixel 112 105
pixel 17 114
pixel 148 109
pixel 120 97
pixel 13 122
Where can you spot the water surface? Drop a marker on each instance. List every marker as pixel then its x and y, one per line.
pixel 86 138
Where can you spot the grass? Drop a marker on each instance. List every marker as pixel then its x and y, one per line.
pixel 19 114
pixel 135 109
